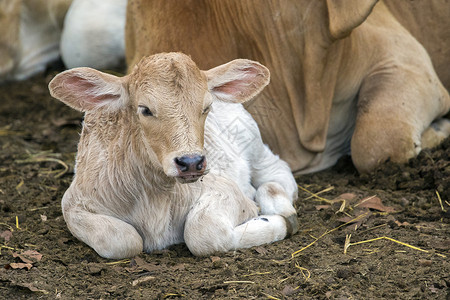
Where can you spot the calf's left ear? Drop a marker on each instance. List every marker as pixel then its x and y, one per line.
pixel 86 89
pixel 237 81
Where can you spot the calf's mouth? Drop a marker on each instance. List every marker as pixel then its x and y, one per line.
pixel 189 178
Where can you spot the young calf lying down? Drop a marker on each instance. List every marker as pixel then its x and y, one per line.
pixel 168 154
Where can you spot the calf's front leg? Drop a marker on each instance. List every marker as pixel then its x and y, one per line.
pixel 220 226
pixel 108 236
pixel 273 200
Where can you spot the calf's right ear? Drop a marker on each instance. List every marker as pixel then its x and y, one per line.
pixel 237 81
pixel 86 89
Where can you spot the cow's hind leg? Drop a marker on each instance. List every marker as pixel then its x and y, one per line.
pixel 108 236
pixel 379 137
pixel 395 110
pixel 436 133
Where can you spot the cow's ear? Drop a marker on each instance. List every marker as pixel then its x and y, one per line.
pixel 86 89
pixel 346 15
pixel 237 81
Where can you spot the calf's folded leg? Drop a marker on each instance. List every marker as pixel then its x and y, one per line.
pixel 211 228
pixel 268 167
pixel 276 188
pixel 108 236
pixel 273 200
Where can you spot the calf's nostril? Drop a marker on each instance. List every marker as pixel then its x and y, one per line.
pixel 200 163
pixel 182 164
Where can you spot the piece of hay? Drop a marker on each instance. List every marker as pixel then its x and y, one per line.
pixel 440 202
pixel 348 244
pixel 296 253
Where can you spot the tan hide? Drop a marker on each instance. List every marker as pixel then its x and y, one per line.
pixel 308 111
pixel 429 22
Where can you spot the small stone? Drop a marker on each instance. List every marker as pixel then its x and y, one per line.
pixel 344 273
pixel 425 262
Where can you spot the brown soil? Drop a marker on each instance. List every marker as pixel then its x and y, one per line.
pixel 38 137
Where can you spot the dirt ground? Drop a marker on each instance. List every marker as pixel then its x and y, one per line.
pixel 399 246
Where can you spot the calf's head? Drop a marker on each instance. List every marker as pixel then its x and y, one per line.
pixel 167 98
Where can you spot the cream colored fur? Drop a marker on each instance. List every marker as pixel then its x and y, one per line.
pixel 128 194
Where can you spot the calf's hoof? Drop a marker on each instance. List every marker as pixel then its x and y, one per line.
pixel 291 225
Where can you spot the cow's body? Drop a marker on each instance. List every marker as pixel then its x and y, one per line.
pixel 30 31
pixel 429 23
pixel 94 34
pixel 346 76
pixel 127 196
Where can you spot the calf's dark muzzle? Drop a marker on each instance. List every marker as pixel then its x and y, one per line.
pixel 190 167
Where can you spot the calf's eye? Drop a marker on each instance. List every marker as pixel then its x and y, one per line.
pixel 145 111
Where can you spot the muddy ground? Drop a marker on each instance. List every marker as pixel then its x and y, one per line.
pixel 404 232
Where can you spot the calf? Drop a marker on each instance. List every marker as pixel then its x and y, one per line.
pixel 168 154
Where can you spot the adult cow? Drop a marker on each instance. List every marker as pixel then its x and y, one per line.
pixel 346 75
pixel 29 36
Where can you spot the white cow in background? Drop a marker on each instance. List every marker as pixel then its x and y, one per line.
pixel 30 32
pixel 34 33
pixel 168 154
pixel 93 34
